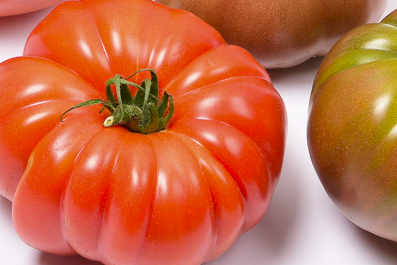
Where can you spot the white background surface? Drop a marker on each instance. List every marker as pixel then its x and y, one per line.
pixel 302 226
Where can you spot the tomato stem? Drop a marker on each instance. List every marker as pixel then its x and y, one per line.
pixel 143 113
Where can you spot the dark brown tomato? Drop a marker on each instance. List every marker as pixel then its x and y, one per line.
pixel 283 33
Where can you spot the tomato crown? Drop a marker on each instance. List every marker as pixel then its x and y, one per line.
pixel 144 113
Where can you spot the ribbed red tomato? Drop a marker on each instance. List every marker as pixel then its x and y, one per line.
pixel 179 195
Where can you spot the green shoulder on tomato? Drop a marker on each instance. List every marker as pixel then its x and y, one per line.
pixel 352 126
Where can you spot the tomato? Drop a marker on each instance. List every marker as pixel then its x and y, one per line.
pixel 284 33
pixel 179 195
pixel 352 126
pixel 16 7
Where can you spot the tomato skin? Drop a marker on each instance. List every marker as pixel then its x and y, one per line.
pixel 351 127
pixel 33 106
pixel 284 33
pixel 16 7
pixel 179 196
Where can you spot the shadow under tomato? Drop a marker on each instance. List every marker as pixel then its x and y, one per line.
pixel 19 26
pixel 381 246
pixel 6 211
pixel 51 259
pixel 297 73
pixel 279 223
pixel 43 258
pixel 270 239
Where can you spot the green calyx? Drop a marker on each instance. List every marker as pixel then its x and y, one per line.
pixel 143 113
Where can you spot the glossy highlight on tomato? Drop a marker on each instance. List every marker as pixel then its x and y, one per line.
pixel 180 195
pixel 352 126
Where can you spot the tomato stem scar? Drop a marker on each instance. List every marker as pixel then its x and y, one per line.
pixel 144 113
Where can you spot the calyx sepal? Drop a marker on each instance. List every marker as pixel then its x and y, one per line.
pixel 143 113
